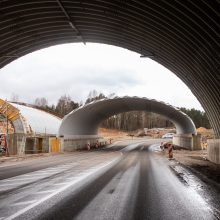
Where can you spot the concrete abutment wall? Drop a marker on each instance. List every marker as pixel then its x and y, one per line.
pixel 189 141
pixel 213 150
pixel 193 142
pixel 80 142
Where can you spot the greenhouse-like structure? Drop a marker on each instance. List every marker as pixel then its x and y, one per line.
pixel 28 129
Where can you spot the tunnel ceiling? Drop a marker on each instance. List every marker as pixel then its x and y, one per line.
pixel 86 119
pixel 182 35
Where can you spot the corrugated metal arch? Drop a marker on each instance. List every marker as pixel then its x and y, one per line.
pixel 85 120
pixel 181 35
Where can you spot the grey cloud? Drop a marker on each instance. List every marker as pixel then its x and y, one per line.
pixel 50 77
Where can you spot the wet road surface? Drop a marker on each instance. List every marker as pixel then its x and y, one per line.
pixel 128 181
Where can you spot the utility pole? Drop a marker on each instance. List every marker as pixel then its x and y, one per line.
pixel 45 142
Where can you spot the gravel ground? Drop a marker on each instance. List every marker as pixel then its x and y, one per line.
pixel 197 161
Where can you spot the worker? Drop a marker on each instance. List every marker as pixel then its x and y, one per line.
pixel 97 144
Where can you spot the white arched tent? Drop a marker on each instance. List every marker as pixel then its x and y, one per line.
pixel 33 127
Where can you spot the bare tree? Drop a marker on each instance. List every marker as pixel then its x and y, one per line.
pixel 94 95
pixel 65 105
pixel 41 102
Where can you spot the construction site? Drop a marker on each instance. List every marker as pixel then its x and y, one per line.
pixel 27 130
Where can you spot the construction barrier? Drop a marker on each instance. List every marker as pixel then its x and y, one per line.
pixel 170 151
pixel 55 145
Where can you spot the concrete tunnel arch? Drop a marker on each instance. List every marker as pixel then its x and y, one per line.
pixel 85 120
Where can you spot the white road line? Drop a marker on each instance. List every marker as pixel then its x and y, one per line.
pixel 15 181
pixel 46 172
pixel 70 184
pixel 71 178
pixel 59 184
pixel 9 184
pixel 68 165
pixel 23 203
pixel 46 191
pixel 131 147
pixel 37 174
pixel 9 180
pixel 155 147
pixel 51 170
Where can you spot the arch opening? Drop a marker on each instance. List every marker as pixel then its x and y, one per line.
pixel 86 120
pixel 135 121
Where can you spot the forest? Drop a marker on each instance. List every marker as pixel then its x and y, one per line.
pixel 127 121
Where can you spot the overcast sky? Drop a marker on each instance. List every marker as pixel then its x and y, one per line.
pixel 76 69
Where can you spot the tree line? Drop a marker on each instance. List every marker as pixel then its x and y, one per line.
pixel 64 105
pixel 199 117
pixel 130 121
pixel 127 121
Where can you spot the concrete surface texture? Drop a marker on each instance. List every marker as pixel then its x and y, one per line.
pixel 192 142
pixel 214 150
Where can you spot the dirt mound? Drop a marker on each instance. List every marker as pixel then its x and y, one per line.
pixel 201 130
pixel 111 133
pixel 208 133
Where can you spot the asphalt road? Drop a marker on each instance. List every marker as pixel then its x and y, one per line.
pixel 133 183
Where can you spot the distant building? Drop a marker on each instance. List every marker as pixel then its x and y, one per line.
pixel 34 130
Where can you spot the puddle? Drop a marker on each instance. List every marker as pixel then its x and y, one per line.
pixel 200 190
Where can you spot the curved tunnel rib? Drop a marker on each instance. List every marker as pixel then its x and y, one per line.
pixel 85 120
pixel 181 35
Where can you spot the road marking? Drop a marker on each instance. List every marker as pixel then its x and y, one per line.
pixel 46 191
pixel 71 183
pixel 33 175
pixel 46 172
pixel 9 180
pixel 59 184
pixel 9 184
pixel 20 180
pixel 155 147
pixel 131 147
pixel 23 203
pixel 37 174
pixel 51 170
pixel 71 178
